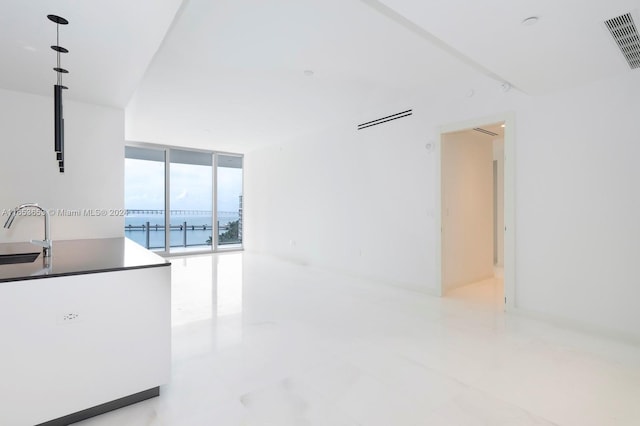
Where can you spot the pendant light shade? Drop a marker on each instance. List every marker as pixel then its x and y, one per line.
pixel 57 118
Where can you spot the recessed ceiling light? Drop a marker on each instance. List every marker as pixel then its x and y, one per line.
pixel 308 73
pixel 531 20
pixel 502 125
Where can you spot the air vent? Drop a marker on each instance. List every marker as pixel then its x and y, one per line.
pixel 385 119
pixel 625 33
pixel 485 131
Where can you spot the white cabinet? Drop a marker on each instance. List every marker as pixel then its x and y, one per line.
pixel 74 342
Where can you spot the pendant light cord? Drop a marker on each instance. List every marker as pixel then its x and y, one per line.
pixel 58 52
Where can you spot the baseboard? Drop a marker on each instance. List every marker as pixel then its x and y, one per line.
pixel 103 408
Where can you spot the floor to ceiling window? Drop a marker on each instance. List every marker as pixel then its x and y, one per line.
pixel 181 192
pixel 144 195
pixel 191 213
pixel 229 200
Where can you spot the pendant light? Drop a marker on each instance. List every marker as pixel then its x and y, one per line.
pixel 58 118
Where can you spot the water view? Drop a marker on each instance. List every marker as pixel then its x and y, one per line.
pixel 190 179
pixel 187 230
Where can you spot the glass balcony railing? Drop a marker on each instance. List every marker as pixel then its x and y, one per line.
pixel 194 231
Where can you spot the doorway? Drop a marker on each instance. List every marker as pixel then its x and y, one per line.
pixel 475 209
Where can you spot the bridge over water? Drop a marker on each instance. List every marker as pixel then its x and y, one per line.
pixel 149 212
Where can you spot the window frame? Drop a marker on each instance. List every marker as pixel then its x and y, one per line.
pixel 215 247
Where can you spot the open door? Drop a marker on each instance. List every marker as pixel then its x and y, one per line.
pixel 476 206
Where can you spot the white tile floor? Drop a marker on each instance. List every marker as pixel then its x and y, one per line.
pixel 259 342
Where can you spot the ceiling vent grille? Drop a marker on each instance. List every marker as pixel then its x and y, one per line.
pixel 625 33
pixel 385 119
pixel 485 131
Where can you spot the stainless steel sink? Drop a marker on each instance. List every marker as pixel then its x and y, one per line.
pixel 11 258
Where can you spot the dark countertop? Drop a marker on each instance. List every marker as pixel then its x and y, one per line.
pixel 73 257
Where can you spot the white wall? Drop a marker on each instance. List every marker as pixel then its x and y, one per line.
pixel 351 201
pixel 467 208
pixel 363 202
pixel 578 204
pixel 94 166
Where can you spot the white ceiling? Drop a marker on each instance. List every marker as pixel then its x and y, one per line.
pixel 569 45
pixel 110 42
pixel 229 74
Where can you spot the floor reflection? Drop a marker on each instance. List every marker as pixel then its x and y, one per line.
pixel 206 287
pixel 229 283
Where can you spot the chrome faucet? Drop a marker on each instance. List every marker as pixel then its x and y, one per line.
pixel 46 244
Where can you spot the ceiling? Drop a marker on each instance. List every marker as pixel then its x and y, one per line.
pixel 483 131
pixel 568 46
pixel 495 128
pixel 230 75
pixel 110 42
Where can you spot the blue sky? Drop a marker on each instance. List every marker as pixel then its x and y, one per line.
pixel 191 186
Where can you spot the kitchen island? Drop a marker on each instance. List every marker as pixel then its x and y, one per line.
pixel 83 332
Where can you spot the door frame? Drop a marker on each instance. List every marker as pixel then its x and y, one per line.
pixel 509 200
